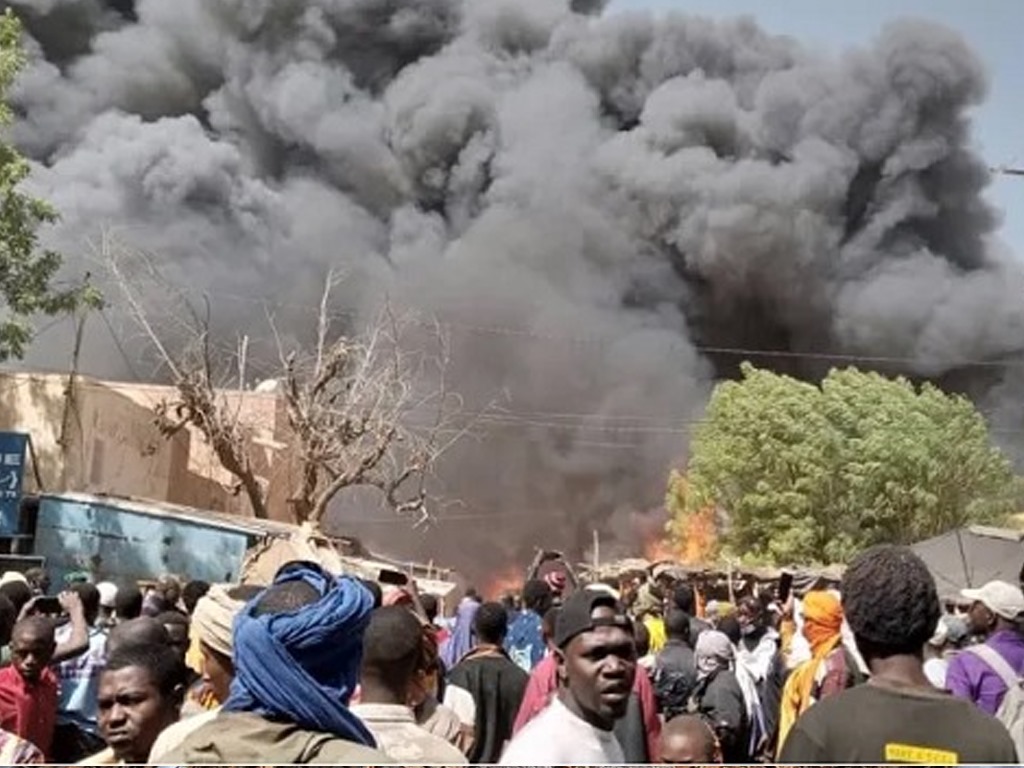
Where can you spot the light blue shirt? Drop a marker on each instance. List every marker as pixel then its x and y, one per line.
pixel 79 685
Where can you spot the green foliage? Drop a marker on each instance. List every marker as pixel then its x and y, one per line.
pixel 26 273
pixel 806 474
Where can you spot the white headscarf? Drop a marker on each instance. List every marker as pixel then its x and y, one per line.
pixel 714 652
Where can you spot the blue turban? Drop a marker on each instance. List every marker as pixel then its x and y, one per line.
pixel 303 666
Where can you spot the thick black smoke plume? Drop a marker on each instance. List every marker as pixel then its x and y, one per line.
pixel 592 201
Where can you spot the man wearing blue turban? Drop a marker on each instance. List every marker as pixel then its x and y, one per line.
pixel 297 653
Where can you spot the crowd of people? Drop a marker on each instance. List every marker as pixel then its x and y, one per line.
pixel 321 668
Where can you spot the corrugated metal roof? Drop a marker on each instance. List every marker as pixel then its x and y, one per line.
pixel 205 517
pixel 225 521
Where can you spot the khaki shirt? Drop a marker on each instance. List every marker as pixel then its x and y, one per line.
pixel 244 738
pixel 400 738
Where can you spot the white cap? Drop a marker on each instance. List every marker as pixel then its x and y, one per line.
pixel 999 597
pixel 12 576
pixel 108 594
pixel 599 587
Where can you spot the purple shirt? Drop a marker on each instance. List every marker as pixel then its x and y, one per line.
pixel 969 677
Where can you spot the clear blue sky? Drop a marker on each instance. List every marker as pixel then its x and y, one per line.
pixel 994 28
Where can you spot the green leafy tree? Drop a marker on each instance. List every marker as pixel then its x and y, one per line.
pixel 26 272
pixel 809 474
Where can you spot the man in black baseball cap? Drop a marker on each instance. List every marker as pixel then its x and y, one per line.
pixel 596 667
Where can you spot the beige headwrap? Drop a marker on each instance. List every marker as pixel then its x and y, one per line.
pixel 213 620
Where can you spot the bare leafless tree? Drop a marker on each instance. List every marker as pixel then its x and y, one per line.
pixel 370 410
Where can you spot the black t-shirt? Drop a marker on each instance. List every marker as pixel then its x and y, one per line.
pixel 497 686
pixel 675 677
pixel 879 725
pixel 719 700
pixel 771 698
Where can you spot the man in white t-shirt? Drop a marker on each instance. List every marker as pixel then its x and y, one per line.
pixel 596 667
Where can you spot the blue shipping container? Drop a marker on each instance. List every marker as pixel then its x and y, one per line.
pixel 126 541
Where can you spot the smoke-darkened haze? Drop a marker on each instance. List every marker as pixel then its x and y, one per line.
pixel 591 200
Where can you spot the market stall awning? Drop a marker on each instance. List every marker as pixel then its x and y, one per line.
pixel 970 557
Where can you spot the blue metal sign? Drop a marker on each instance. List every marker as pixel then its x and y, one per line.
pixel 12 471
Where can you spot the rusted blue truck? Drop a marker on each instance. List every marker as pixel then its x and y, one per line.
pixel 135 541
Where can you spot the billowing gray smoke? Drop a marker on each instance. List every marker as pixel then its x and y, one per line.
pixel 589 200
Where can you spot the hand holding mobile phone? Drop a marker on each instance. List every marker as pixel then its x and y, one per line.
pixel 393 578
pixel 785 587
pixel 48 606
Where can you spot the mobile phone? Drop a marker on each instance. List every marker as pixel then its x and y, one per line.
pixel 49 606
pixel 395 578
pixel 785 587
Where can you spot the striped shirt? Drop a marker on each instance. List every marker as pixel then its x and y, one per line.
pixel 15 751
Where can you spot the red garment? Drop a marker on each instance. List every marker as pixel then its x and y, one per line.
pixel 649 710
pixel 29 710
pixel 442 636
pixel 544 681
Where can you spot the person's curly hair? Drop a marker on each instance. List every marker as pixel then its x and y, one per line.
pixel 890 601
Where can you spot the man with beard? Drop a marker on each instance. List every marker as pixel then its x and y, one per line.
pixel 596 668
pixel 758 642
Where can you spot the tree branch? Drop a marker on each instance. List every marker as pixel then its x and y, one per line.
pixel 352 403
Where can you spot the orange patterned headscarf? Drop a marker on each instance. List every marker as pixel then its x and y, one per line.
pixel 823 628
pixel 823 622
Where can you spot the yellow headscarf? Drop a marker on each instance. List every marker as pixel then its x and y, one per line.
pixel 823 628
pixel 656 631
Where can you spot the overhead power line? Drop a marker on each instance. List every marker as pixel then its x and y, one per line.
pixel 531 334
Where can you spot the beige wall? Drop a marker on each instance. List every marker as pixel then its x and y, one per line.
pixel 210 486
pixel 34 403
pixel 113 446
pixel 121 447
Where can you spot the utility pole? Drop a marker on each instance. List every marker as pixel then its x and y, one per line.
pixel 243 359
pixel 70 389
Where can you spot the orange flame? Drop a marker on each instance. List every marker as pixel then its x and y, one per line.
pixel 694 540
pixel 700 536
pixel 692 535
pixel 659 549
pixel 509 579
